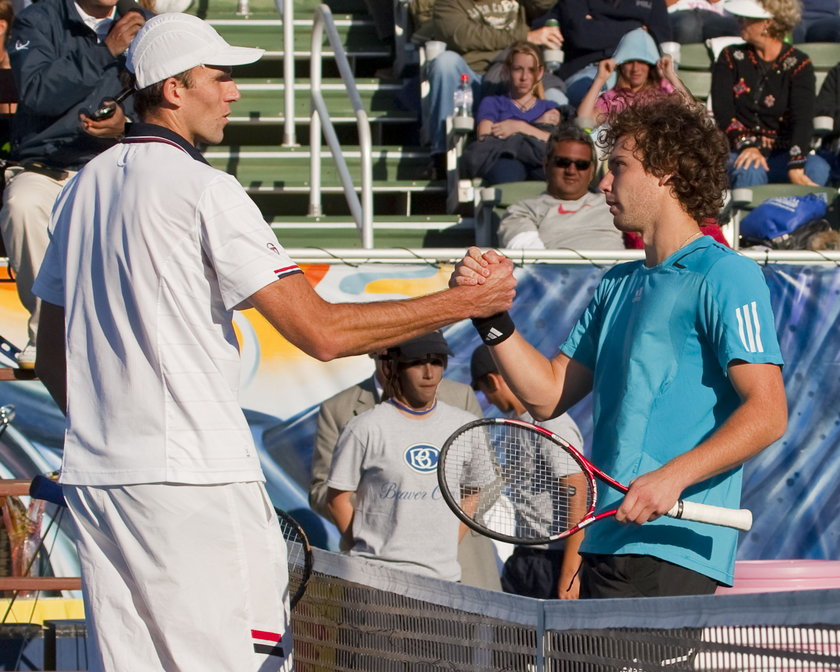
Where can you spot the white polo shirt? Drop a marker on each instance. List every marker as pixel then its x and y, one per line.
pixel 151 251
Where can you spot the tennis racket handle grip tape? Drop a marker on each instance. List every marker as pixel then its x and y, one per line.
pixel 740 519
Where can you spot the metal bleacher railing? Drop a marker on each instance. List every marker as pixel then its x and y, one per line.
pixel 359 615
pixel 361 210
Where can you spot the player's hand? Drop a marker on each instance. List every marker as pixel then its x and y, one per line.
pixel 798 176
pixel 498 289
pixel 112 127
pixel 751 157
pixel 547 36
pixel 123 31
pixel 650 496
pixel 471 270
pixel 474 268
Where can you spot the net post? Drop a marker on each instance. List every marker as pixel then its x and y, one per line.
pixel 539 644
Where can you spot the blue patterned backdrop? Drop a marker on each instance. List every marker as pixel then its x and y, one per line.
pixel 791 487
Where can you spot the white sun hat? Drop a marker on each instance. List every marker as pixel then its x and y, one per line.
pixel 171 43
pixel 751 9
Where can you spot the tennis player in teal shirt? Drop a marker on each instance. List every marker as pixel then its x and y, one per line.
pixel 679 351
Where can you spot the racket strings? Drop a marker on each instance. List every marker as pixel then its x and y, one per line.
pixel 297 556
pixel 517 482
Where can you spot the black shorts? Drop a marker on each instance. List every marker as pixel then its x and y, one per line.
pixel 532 572
pixel 639 576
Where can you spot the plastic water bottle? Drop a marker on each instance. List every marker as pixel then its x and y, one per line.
pixel 553 57
pixel 463 98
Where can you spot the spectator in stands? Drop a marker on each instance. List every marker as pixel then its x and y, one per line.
pixel 544 571
pixel 592 30
pixel 763 95
pixel 568 214
pixel 476 33
pixel 382 481
pixel 828 105
pixel 475 553
pixel 695 21
pixel 640 74
pixel 512 129
pixel 66 57
pixel 820 22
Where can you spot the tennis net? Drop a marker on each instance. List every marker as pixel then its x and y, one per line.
pixel 363 616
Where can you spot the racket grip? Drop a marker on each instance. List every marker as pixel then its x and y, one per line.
pixel 740 519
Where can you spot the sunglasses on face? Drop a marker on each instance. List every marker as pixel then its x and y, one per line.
pixel 565 162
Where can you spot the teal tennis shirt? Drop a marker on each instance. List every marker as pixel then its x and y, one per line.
pixel 659 342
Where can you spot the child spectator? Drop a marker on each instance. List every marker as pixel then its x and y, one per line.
pixel 387 457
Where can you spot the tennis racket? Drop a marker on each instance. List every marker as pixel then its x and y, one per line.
pixel 517 482
pixel 299 555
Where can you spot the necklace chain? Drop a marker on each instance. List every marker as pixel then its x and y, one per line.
pixel 525 106
pixel 690 238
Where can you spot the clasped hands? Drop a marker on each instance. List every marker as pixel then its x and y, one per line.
pixel 477 268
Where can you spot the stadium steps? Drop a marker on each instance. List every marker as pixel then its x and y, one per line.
pixel 273 175
pixel 388 231
pixel 356 34
pixel 408 208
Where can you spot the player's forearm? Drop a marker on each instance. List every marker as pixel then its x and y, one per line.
pixel 546 387
pixel 750 429
pixel 759 420
pixel 328 330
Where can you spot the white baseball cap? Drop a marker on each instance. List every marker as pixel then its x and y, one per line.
pixel 171 43
pixel 748 8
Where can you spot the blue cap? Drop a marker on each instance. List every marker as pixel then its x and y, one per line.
pixel 432 343
pixel 637 45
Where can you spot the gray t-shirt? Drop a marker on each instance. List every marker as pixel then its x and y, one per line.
pixel 584 224
pixel 390 462
pixel 534 509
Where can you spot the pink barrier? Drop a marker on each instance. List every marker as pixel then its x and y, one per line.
pixel 773 576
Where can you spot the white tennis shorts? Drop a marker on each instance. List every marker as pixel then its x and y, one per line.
pixel 182 578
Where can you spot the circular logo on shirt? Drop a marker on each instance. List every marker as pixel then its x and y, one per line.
pixel 422 457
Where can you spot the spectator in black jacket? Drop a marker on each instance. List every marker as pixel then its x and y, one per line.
pixel 592 30
pixel 66 57
pixel 763 95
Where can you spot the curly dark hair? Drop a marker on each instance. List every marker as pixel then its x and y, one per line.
pixel 676 137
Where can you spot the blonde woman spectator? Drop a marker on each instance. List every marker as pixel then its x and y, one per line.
pixel 513 128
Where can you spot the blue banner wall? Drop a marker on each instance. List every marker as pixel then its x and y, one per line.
pixel 792 486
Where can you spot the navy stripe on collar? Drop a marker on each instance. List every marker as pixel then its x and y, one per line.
pixel 143 130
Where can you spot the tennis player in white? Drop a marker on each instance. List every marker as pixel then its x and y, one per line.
pixel 183 564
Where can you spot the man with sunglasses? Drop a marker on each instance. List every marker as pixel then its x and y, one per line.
pixel 568 214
